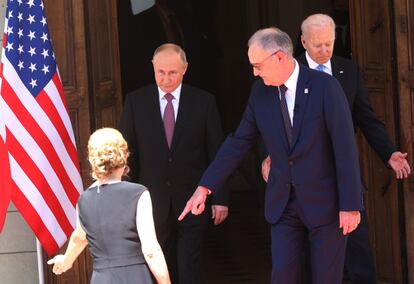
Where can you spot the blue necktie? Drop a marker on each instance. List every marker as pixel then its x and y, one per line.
pixel 321 68
pixel 285 113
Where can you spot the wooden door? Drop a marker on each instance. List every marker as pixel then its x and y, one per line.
pixel 404 35
pixel 66 25
pixel 373 50
pixel 103 57
pixel 85 40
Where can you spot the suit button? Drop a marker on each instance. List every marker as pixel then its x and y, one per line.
pixel 168 183
pixel 291 162
pixel 169 159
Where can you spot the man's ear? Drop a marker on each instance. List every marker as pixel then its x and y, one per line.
pixel 185 68
pixel 302 40
pixel 281 56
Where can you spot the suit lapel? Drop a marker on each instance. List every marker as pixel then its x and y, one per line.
pixel 338 71
pixel 302 95
pixel 274 115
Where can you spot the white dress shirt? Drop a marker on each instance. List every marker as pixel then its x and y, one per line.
pixel 290 94
pixel 176 100
pixel 312 64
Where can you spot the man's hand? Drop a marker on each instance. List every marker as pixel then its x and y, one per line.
pixel 398 162
pixel 196 203
pixel 219 213
pixel 266 168
pixel 349 220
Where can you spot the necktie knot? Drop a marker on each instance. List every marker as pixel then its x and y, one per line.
pixel 321 68
pixel 168 97
pixel 282 89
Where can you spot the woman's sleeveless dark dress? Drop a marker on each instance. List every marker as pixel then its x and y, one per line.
pixel 109 220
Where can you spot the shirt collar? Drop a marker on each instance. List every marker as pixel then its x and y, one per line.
pixel 292 81
pixel 312 64
pixel 176 93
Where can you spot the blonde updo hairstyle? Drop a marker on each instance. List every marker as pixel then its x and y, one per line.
pixel 107 151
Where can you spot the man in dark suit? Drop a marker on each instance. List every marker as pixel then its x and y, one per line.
pixel 173 131
pixel 318 36
pixel 314 186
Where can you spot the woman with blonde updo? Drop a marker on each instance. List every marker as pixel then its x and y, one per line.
pixel 115 219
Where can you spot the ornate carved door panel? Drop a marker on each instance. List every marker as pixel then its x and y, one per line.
pixel 373 50
pixel 103 62
pixel 404 35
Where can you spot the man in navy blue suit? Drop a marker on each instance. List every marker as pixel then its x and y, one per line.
pixel 318 38
pixel 314 192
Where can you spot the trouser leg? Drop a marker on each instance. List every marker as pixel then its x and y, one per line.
pixel 359 261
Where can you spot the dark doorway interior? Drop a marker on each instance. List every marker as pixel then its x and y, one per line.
pixel 214 34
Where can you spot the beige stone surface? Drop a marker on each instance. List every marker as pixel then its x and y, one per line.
pixel 20 268
pixel 16 235
pixel 11 208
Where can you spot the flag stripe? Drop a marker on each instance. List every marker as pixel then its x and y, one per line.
pixel 35 222
pixel 41 139
pixel 49 108
pixel 4 179
pixel 5 190
pixel 40 182
pixel 38 155
pixel 27 188
pixel 55 87
pixel 42 120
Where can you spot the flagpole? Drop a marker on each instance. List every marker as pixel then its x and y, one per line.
pixel 40 262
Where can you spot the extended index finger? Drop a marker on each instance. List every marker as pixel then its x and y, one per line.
pixel 187 209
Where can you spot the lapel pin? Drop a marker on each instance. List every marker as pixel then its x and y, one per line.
pixel 341 72
pixel 306 91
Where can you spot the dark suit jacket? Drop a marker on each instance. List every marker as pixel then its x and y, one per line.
pixel 363 116
pixel 322 165
pixel 171 175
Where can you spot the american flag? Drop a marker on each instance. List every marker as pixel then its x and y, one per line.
pixel 45 180
pixel 4 177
